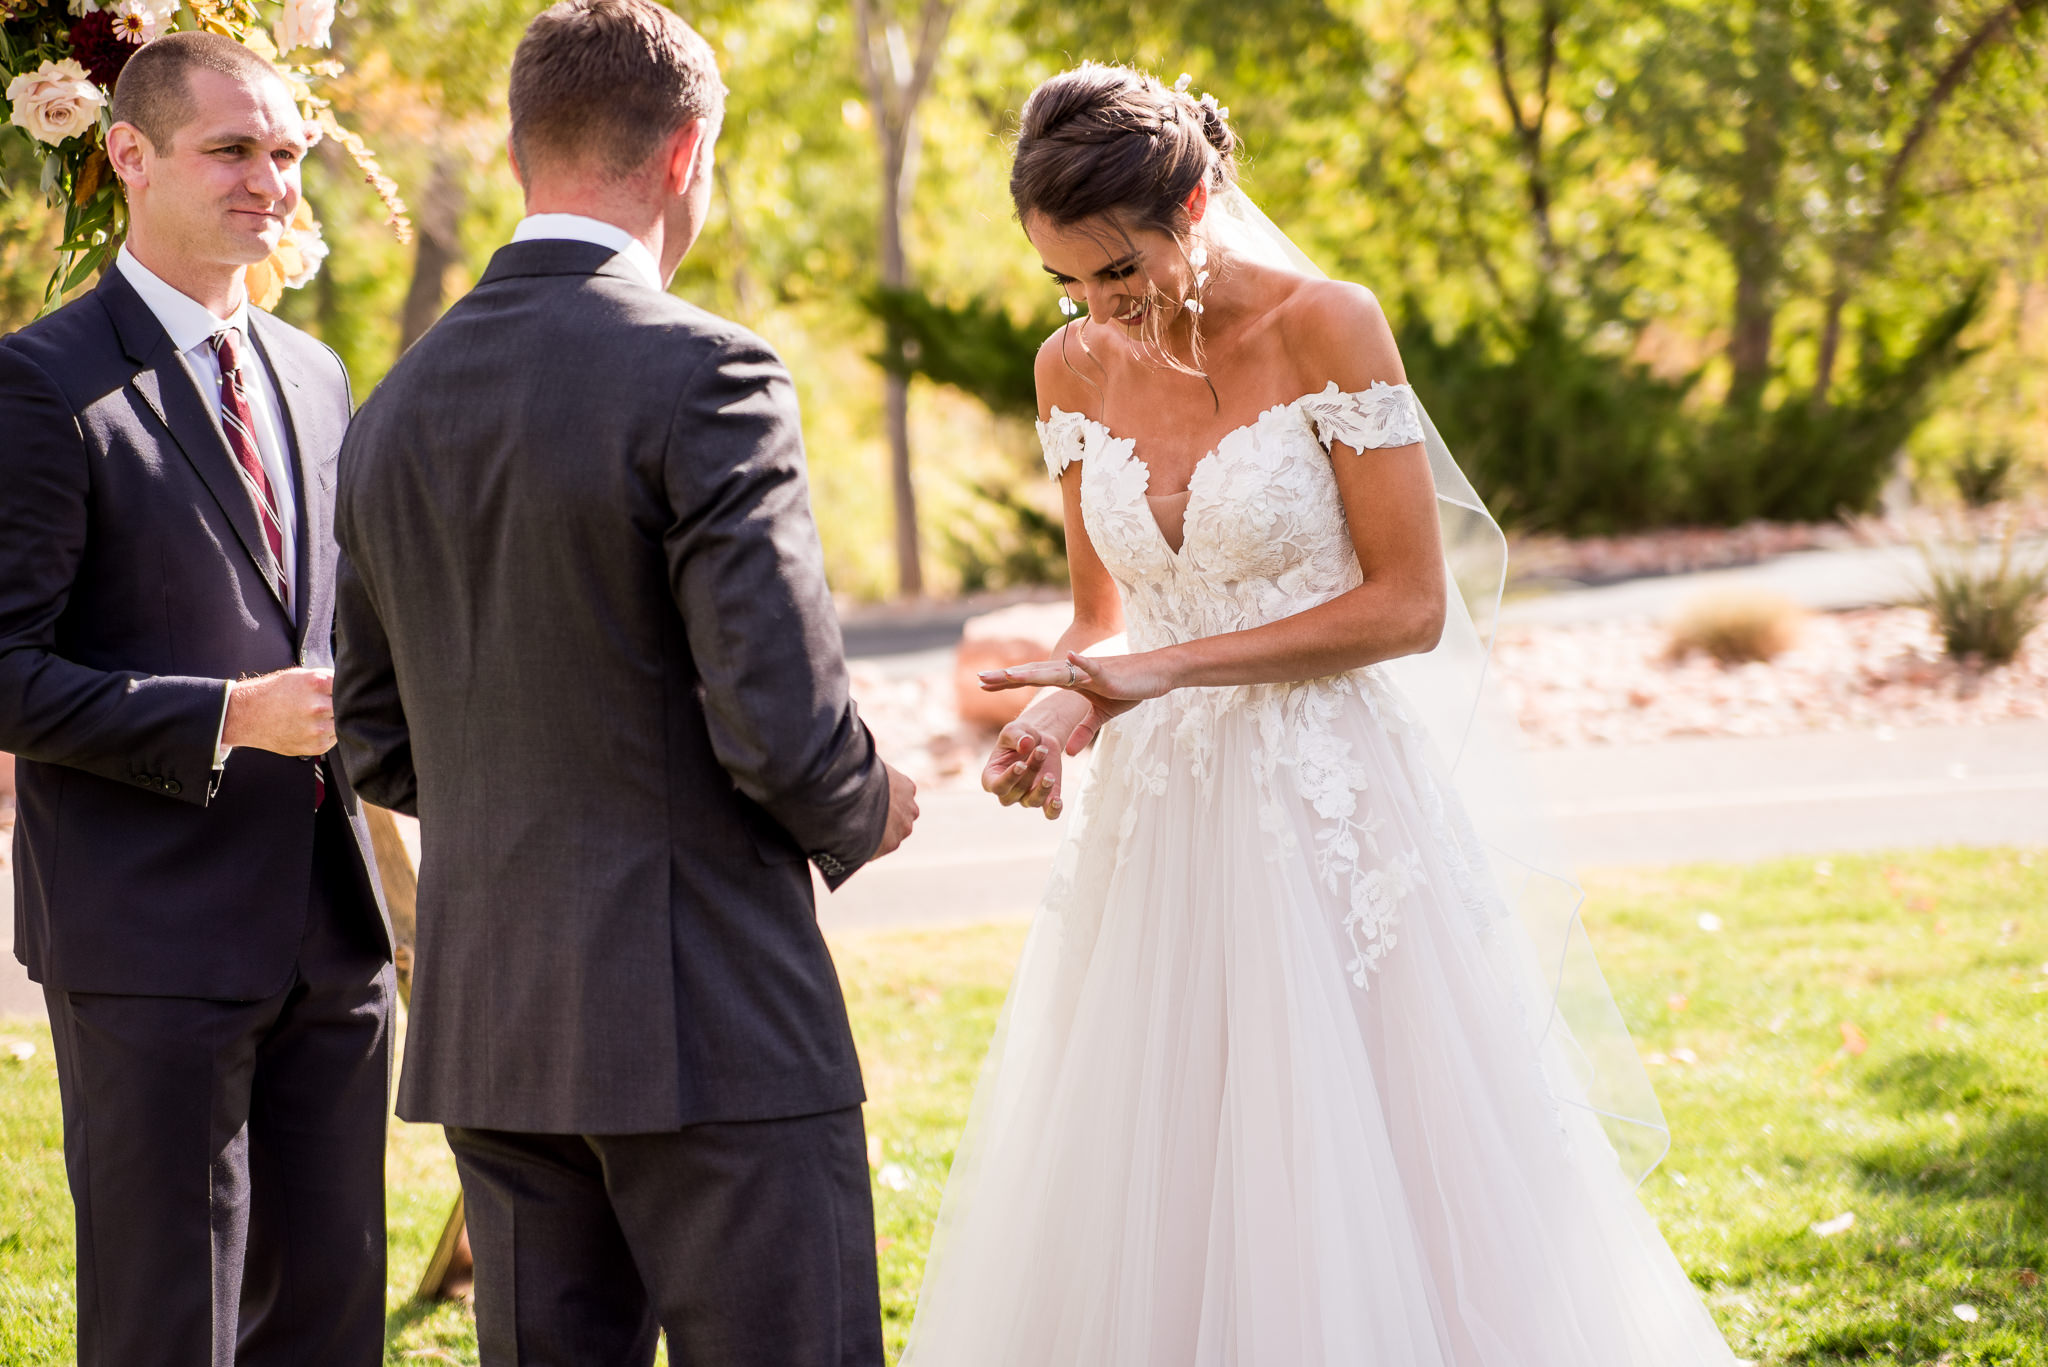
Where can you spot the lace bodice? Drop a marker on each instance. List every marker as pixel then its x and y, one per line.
pixel 1264 533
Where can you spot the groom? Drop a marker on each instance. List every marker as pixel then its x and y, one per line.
pixel 584 635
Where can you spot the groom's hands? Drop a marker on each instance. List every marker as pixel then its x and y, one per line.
pixel 902 811
pixel 290 712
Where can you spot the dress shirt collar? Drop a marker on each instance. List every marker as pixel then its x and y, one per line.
pixel 597 232
pixel 188 321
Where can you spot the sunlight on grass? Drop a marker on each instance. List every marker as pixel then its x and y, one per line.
pixel 1861 1037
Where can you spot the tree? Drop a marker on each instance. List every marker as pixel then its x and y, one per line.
pixel 897 78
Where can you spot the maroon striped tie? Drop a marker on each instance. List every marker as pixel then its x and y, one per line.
pixel 240 426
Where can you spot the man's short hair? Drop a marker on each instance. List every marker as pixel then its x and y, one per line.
pixel 154 90
pixel 602 84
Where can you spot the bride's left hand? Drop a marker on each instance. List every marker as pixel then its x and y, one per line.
pixel 1112 684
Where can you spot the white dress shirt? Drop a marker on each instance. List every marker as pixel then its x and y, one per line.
pixel 577 228
pixel 192 327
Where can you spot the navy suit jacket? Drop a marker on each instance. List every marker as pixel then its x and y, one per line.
pixel 131 589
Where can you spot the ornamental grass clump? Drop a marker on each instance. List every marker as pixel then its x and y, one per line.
pixel 1983 479
pixel 1984 608
pixel 1736 626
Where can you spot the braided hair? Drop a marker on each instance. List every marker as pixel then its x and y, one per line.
pixel 1110 140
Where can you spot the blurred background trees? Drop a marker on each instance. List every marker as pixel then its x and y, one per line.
pixel 1650 261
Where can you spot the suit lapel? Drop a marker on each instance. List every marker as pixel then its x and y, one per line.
pixel 166 383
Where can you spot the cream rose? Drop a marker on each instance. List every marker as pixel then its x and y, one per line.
pixel 305 23
pixel 55 102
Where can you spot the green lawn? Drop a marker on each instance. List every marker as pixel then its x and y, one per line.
pixel 1866 1037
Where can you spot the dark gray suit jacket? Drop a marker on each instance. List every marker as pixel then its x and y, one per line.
pixel 584 634
pixel 131 587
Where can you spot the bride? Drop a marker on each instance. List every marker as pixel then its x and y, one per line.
pixel 1301 1066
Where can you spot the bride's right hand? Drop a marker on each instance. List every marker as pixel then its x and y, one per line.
pixel 1024 768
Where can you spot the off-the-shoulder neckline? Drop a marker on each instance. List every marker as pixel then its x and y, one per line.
pixel 1328 391
pixel 1131 447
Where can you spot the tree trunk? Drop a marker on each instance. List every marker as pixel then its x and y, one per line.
pixel 1529 127
pixel 899 157
pixel 896 85
pixel 1755 247
pixel 1867 255
pixel 1831 337
pixel 436 249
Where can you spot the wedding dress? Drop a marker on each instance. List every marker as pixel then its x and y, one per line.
pixel 1278 1082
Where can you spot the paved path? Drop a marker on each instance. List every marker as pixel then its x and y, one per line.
pixel 1875 576
pixel 972 860
pixel 1713 798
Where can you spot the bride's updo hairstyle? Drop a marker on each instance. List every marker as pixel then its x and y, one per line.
pixel 1114 144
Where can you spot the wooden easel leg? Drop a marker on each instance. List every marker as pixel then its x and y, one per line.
pixel 451 1272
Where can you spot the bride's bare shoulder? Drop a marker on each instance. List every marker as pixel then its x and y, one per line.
pixel 1335 330
pixel 1063 370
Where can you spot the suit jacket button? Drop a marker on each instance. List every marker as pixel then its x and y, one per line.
pixel 172 786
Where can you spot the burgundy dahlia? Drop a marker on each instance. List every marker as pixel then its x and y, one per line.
pixel 98 49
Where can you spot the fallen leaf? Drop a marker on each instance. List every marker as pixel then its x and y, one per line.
pixel 1854 1041
pixel 2029 1278
pixel 1828 1229
pixel 1966 1313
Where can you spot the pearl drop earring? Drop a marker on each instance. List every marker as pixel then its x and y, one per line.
pixel 1069 307
pixel 1198 258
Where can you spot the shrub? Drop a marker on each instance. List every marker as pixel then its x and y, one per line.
pixel 1811 462
pixel 1984 611
pixel 1983 480
pixel 1555 436
pixel 1736 626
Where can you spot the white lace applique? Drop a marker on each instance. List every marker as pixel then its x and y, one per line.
pixel 1367 420
pixel 1375 896
pixel 1264 538
pixel 1064 438
pixel 1458 847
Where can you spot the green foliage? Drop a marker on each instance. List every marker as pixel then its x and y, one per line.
pixel 1685 250
pixel 1982 478
pixel 1554 436
pixel 975 347
pixel 1984 610
pixel 1006 542
pixel 1806 461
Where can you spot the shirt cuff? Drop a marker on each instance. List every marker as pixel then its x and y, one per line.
pixel 220 752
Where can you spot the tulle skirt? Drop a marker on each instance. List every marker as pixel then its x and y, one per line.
pixel 1266 1092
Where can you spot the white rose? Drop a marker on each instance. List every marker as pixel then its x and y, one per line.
pixel 305 23
pixel 55 102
